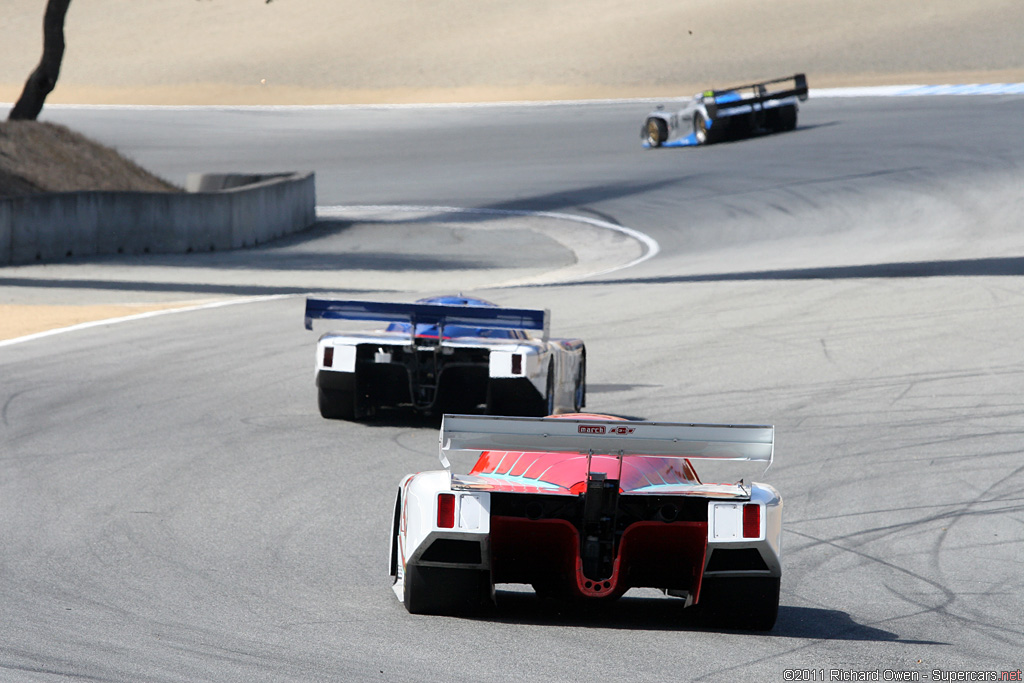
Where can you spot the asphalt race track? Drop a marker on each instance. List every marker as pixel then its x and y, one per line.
pixel 173 508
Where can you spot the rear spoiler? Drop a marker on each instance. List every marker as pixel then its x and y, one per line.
pixel 607 437
pixel 761 92
pixel 491 317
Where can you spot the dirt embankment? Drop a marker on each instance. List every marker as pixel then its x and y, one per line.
pixel 46 157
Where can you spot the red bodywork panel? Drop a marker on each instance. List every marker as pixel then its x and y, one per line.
pixel 546 552
pixel 651 554
pixel 569 472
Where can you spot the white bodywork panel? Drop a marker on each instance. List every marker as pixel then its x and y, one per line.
pixel 561 356
pixel 417 525
pixel 725 523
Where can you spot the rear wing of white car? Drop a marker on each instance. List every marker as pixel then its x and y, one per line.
pixel 757 93
pixel 607 437
pixel 490 317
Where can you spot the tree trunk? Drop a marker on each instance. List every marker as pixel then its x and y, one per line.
pixel 44 78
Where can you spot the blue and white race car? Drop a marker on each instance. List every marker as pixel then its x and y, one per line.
pixel 716 115
pixel 449 353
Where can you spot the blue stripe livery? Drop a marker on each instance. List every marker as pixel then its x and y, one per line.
pixel 471 314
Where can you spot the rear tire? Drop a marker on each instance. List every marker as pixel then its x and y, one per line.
pixel 336 404
pixel 700 129
pixel 580 393
pixel 498 402
pixel 655 132
pixel 549 396
pixel 749 604
pixel 395 526
pixel 443 590
pixel 786 118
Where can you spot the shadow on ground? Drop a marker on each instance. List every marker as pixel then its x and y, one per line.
pixel 994 267
pixel 668 614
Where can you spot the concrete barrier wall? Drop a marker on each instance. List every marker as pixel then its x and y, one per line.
pixel 52 227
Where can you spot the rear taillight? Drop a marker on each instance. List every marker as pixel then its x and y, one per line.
pixel 751 520
pixel 446 510
pixel 517 364
pixel 328 356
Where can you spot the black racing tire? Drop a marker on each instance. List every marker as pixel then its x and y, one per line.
pixel 786 118
pixel 336 404
pixel 395 529
pixel 549 394
pixel 579 398
pixel 446 590
pixel 500 401
pixel 705 132
pixel 539 405
pixel 700 131
pixel 495 401
pixel 655 132
pixel 748 603
pixel 514 397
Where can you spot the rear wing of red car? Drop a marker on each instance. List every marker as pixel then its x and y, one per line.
pixel 607 437
pixel 758 93
pixel 492 317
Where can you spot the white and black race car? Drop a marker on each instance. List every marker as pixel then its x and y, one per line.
pixel 449 353
pixel 715 115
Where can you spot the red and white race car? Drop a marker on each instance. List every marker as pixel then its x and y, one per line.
pixel 586 507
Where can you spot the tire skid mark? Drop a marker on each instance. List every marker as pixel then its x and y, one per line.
pixel 948 595
pixel 890 529
pixel 885 511
pixel 1012 636
pixel 7 407
pixel 937 548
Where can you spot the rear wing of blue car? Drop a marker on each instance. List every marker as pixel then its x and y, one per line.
pixel 754 443
pixel 759 93
pixel 441 315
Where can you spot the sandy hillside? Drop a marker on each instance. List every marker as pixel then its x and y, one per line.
pixel 326 51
